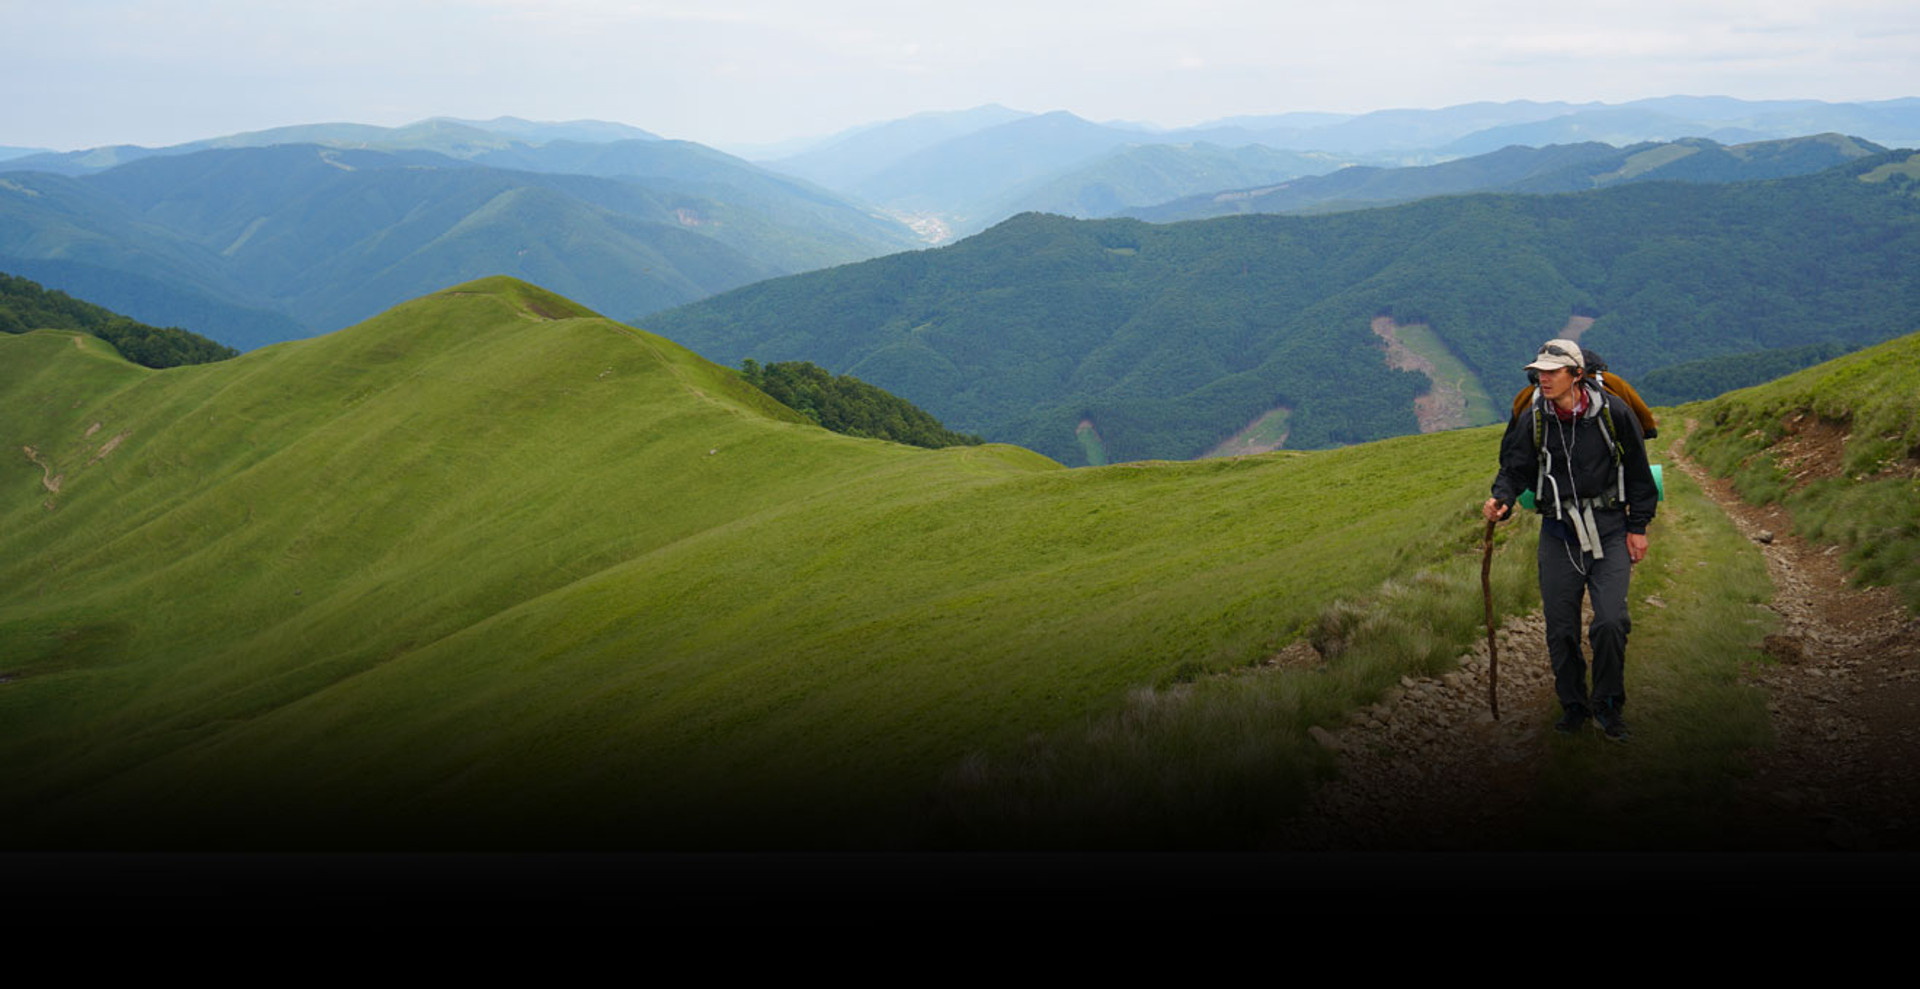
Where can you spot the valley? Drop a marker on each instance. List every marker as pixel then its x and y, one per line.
pixel 1172 337
pixel 475 540
pixel 728 628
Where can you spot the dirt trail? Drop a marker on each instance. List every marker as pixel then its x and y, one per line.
pixel 1428 768
pixel 1844 692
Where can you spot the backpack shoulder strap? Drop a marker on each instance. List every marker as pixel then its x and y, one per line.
pixel 1609 427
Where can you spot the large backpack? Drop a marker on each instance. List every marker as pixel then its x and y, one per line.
pixel 1614 384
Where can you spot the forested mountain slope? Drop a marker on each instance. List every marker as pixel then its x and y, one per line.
pixel 1168 338
pixel 323 237
pixel 26 306
pixel 1544 169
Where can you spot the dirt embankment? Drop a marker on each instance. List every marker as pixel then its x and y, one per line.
pixel 48 479
pixel 52 481
pixel 1428 768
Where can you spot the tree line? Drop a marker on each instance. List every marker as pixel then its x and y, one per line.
pixel 846 404
pixel 24 305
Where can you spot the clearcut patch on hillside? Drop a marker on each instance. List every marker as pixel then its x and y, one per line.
pixel 1091 443
pixel 1909 168
pixel 1576 325
pixel 1456 397
pixel 1265 434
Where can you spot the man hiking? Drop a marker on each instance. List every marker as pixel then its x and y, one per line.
pixel 1583 453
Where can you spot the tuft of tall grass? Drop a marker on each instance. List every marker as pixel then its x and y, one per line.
pixel 1222 761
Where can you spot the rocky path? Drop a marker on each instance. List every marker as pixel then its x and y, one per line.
pixel 1429 769
pixel 1844 693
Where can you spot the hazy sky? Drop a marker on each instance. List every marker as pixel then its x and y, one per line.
pixel 80 73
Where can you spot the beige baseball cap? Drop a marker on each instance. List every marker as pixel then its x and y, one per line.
pixel 1558 354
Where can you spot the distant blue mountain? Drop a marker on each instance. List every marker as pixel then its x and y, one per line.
pixel 1516 168
pixel 849 158
pixel 324 237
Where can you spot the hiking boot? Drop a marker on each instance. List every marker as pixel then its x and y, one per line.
pixel 1607 715
pixel 1574 719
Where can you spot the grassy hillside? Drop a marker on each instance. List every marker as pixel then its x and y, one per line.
pixel 1170 338
pixel 1839 445
pixel 490 571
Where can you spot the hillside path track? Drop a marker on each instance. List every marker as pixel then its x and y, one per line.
pixel 1843 692
pixel 1428 769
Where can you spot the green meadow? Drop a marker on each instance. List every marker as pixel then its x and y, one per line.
pixel 491 571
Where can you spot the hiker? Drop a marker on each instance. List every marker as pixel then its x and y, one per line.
pixel 1583 453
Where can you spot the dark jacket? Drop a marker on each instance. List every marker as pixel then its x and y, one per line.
pixel 1592 472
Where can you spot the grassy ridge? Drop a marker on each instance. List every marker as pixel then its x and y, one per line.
pixel 489 571
pixel 1867 499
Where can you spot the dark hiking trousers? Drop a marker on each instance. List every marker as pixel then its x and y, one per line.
pixel 1604 582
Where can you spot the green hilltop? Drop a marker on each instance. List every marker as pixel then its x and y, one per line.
pixel 491 571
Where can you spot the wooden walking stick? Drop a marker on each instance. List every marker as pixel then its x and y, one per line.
pixel 1493 653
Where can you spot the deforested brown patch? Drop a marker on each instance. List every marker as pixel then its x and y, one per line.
pixel 1444 405
pixel 1255 437
pixel 1576 325
pixel 106 448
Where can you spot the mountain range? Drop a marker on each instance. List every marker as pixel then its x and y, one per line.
pixel 481 569
pixel 1548 169
pixel 372 215
pixel 262 241
pixel 1164 341
pixel 962 172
